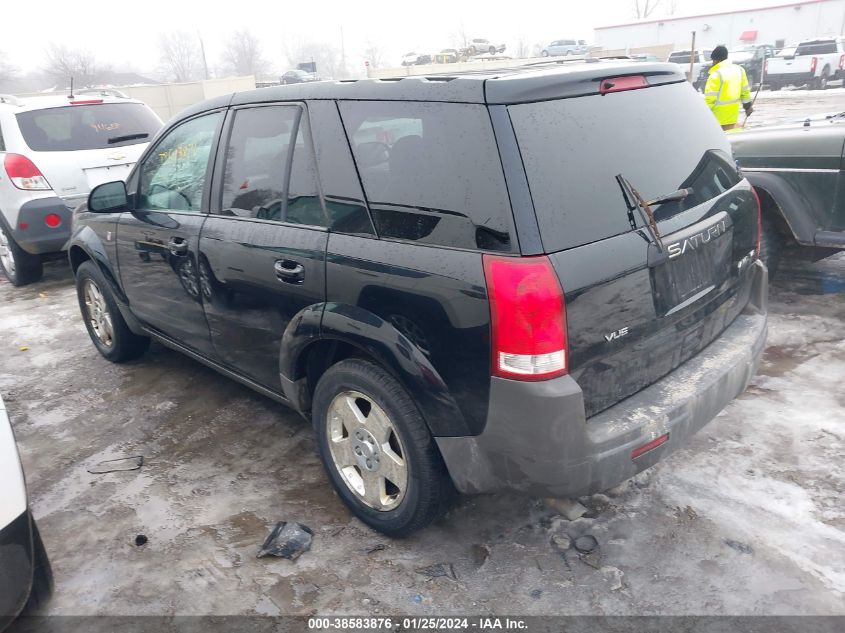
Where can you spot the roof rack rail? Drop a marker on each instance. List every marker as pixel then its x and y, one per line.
pixel 103 92
pixel 12 99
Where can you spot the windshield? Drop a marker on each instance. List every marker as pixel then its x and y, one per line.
pixel 83 127
pixel 576 194
pixel 680 58
pixel 740 55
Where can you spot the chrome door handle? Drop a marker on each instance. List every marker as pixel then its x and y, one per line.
pixel 289 271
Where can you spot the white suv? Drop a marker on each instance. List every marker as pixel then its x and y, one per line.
pixel 53 151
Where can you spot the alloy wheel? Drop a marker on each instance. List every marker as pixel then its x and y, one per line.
pixel 98 313
pixel 366 450
pixel 7 257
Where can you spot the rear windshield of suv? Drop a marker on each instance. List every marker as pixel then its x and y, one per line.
pixel 93 126
pixel 816 48
pixel 660 139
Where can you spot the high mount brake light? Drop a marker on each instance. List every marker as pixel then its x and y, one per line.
pixel 621 84
pixel 24 174
pixel 527 317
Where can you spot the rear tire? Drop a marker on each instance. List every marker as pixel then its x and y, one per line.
pixel 544 54
pixel 19 267
pixel 355 401
pixel 103 320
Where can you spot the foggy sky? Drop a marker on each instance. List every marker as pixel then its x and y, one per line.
pixel 124 34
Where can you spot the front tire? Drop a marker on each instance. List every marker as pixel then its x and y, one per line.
pixel 544 54
pixel 19 267
pixel 103 320
pixel 377 449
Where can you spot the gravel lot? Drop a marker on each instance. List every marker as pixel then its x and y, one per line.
pixel 749 519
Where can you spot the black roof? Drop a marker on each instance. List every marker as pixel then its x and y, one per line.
pixel 520 84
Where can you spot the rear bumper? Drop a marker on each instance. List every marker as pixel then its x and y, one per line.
pixel 16 567
pixel 789 79
pixel 31 232
pixel 538 441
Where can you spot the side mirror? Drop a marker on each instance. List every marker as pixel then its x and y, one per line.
pixel 110 196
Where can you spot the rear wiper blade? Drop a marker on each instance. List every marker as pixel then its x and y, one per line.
pixel 644 208
pixel 675 196
pixel 127 137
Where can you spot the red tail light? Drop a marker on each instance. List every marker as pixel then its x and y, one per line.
pixel 759 220
pixel 86 102
pixel 528 318
pixel 24 174
pixel 842 62
pixel 813 63
pixel 766 66
pixel 650 446
pixel 620 84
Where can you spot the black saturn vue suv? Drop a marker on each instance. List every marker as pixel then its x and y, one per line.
pixel 541 279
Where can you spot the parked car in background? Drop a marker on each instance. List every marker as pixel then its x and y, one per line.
pixel 796 170
pixel 53 150
pixel 645 57
pixel 483 283
pixel 700 65
pixel 565 47
pixel 753 60
pixel 479 46
pixel 298 76
pixel 409 59
pixel 446 56
pixel 813 63
pixel 26 578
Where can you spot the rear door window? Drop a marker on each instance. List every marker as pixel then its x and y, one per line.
pixel 83 127
pixel 431 172
pixel 660 139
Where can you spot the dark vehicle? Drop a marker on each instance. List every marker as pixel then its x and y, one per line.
pixel 428 270
pixel 298 76
pixel 752 59
pixel 700 61
pixel 797 172
pixel 26 578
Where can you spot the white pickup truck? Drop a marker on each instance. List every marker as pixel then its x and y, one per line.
pixel 813 62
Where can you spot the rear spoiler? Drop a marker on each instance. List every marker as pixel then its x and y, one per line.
pixel 555 83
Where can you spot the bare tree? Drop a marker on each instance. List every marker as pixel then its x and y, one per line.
pixel 7 71
pixel 326 57
pixel 242 54
pixel 460 38
pixel 179 56
pixel 522 47
pixel 373 55
pixel 62 63
pixel 672 8
pixel 645 8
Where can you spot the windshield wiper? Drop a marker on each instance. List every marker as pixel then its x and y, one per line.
pixel 675 196
pixel 644 208
pixel 127 137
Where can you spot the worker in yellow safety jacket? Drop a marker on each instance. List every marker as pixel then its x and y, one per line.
pixel 727 87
